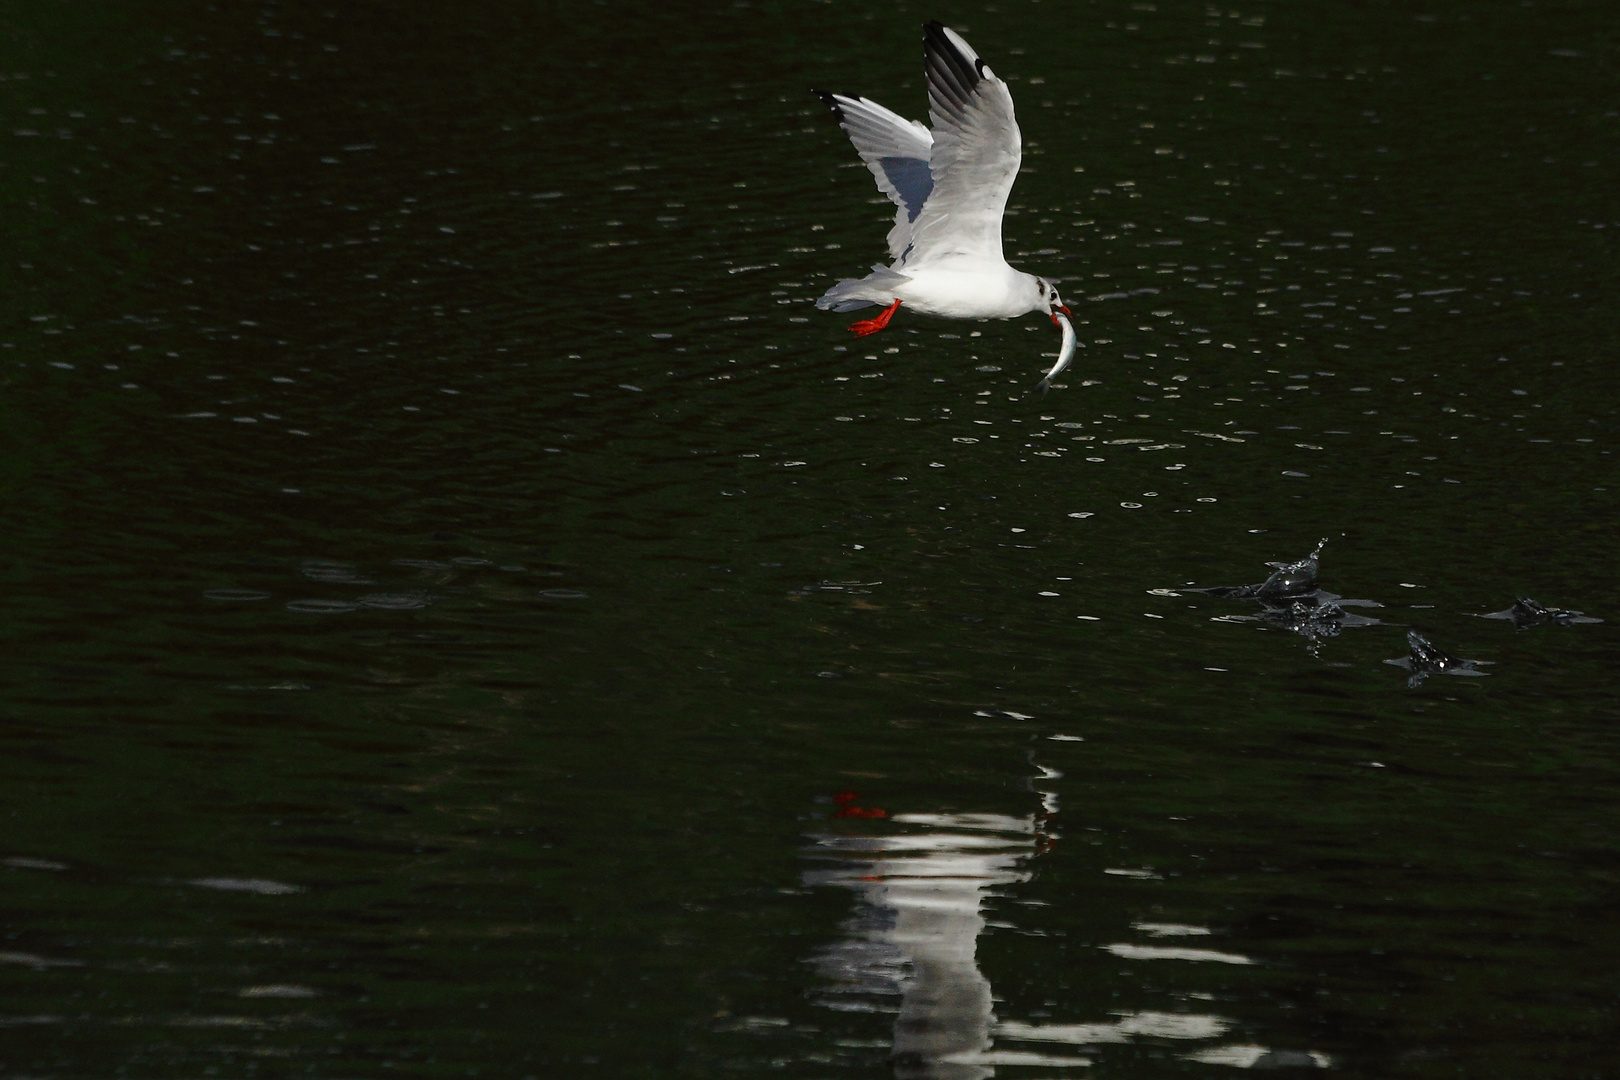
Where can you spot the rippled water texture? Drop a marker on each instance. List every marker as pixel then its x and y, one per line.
pixel 466 613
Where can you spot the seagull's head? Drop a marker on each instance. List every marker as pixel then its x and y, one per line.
pixel 1049 297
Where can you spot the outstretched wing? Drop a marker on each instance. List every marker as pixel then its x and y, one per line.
pixel 976 153
pixel 896 150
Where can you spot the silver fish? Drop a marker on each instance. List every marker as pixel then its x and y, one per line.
pixel 1065 352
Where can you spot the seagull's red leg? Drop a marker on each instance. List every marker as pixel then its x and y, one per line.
pixel 872 326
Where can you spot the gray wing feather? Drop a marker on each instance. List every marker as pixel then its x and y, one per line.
pixel 897 151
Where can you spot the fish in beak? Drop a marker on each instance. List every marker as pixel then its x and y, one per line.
pixel 1060 319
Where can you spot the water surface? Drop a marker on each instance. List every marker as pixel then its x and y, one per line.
pixel 468 614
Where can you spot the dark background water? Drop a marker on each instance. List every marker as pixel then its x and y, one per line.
pixel 451 569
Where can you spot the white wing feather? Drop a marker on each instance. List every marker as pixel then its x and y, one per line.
pixel 977 150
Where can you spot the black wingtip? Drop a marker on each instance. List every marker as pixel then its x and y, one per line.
pixel 958 76
pixel 831 101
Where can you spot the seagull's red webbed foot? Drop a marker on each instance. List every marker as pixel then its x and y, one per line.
pixel 867 327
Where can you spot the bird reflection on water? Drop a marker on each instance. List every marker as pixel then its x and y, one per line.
pixel 914 937
pixel 916 933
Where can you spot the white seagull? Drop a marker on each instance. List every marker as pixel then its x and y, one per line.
pixel 951 185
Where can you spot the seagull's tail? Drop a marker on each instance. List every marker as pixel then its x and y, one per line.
pixel 853 293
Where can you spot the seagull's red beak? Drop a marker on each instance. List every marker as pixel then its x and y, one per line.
pixel 1065 311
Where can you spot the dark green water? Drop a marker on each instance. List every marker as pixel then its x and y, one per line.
pixel 453 576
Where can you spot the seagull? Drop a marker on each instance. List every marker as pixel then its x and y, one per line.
pixel 950 187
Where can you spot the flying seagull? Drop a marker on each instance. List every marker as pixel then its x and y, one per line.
pixel 950 185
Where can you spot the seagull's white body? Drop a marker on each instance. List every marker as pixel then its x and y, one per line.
pixel 950 185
